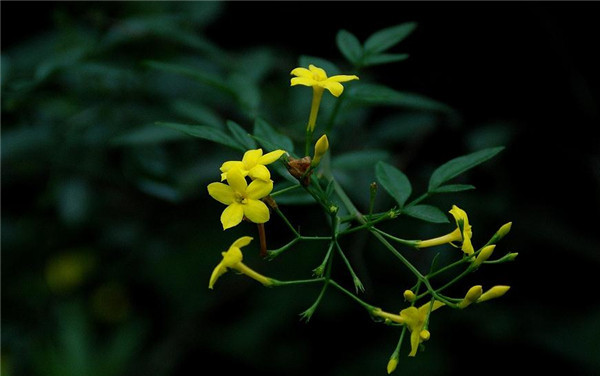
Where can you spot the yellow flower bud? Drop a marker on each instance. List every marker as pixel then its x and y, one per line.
pixel 472 295
pixel 485 254
pixel 494 292
pixel 392 364
pixel 409 296
pixel 505 229
pixel 425 335
pixel 321 148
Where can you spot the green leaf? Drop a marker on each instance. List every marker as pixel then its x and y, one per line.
pixel 146 135
pixel 329 67
pixel 393 181
pixel 205 132
pixel 196 74
pixel 387 38
pixel 459 165
pixel 270 138
pixel 426 213
pixel 349 46
pixel 197 113
pixel 240 135
pixel 372 94
pixel 358 159
pixel 383 59
pixel 453 188
pixel 295 197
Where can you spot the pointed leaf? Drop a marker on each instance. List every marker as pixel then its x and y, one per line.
pixel 349 46
pixel 426 213
pixel 459 165
pixel 387 38
pixel 205 132
pixel 151 134
pixel 274 140
pixel 372 94
pixel 196 74
pixel 383 59
pixel 393 181
pixel 453 188
pixel 240 135
pixel 358 159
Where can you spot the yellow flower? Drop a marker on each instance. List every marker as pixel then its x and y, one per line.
pixel 318 80
pixel 242 199
pixel 232 259
pixel 462 233
pixel 253 164
pixel 321 147
pixel 415 320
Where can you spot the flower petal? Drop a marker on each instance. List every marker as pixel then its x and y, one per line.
pixel 221 192
pixel 242 242
pixel 226 166
pixel 334 88
pixel 256 211
pixel 260 172
pixel 251 158
pixel 217 272
pixel 232 215
pixel 232 257
pixel 415 339
pixel 302 72
pixel 318 73
pixel 259 189
pixel 271 157
pixel 303 81
pixel 236 180
pixel 343 78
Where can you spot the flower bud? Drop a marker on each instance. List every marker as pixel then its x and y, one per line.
pixel 321 148
pixel 505 229
pixel 494 292
pixel 392 364
pixel 485 254
pixel 472 295
pixel 409 296
pixel 425 335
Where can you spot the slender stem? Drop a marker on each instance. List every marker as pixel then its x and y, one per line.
pixel 410 243
pixel 418 199
pixel 367 223
pixel 357 283
pixel 287 222
pixel 334 114
pixel 271 254
pixel 277 283
pixel 284 190
pixel 367 306
pixel 263 240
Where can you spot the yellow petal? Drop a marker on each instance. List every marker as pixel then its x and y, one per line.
pixel 334 88
pixel 392 364
pixel 411 317
pixel 493 293
pixel 236 181
pixel 302 72
pixel 232 257
pixel 221 192
pixel 226 166
pixel 259 189
pixel 318 73
pixel 303 81
pixel 242 242
pixel 343 78
pixel 232 215
pixel 467 246
pixel 415 339
pixel 260 172
pixel 424 309
pixel 256 211
pixel 251 158
pixel 271 157
pixel 217 272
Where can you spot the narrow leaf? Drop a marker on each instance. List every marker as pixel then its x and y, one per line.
pixel 196 74
pixel 358 159
pixel 453 188
pixel 240 135
pixel 205 132
pixel 383 59
pixel 387 38
pixel 275 140
pixel 372 94
pixel 459 165
pixel 349 46
pixel 151 134
pixel 426 213
pixel 393 181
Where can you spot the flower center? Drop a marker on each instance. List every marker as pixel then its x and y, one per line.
pixel 240 199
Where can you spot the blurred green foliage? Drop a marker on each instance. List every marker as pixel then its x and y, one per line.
pixel 109 237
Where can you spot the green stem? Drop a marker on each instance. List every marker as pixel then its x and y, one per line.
pixel 287 222
pixel 277 283
pixel 357 283
pixel 271 254
pixel 409 243
pixel 334 114
pixel 284 190
pixel 368 223
pixel 365 305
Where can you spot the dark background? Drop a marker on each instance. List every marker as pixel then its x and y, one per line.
pixel 519 74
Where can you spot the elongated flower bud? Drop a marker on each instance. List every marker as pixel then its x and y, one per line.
pixel 321 148
pixel 505 229
pixel 409 296
pixel 471 297
pixel 485 254
pixel 392 364
pixel 493 293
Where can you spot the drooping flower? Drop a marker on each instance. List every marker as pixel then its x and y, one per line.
pixel 253 164
pixel 242 199
pixel 316 78
pixel 462 233
pixel 232 259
